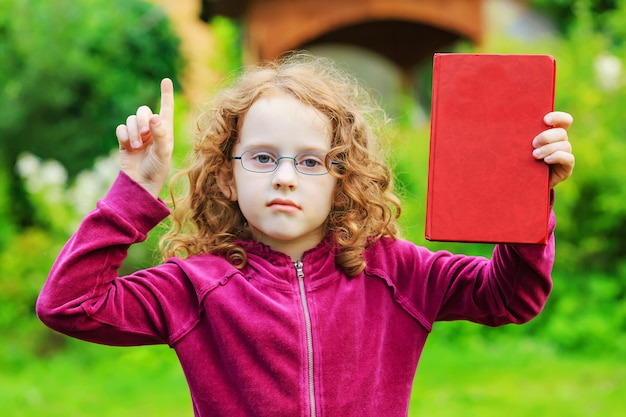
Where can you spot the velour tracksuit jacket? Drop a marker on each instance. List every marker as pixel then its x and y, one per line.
pixel 279 338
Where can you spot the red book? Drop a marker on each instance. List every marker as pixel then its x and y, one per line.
pixel 483 183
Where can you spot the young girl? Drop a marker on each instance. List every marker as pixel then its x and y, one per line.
pixel 286 290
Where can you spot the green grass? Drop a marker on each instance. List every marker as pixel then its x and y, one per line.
pixel 91 380
pixel 516 380
pixel 508 379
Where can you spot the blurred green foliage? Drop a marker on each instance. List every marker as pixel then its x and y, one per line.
pixel 566 13
pixel 23 263
pixel 71 69
pixel 7 227
pixel 228 55
pixel 590 307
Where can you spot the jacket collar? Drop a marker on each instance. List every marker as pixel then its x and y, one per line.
pixel 319 262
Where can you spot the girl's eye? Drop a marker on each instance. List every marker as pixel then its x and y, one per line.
pixel 310 161
pixel 264 158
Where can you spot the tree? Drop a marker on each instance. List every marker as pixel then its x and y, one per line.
pixel 71 71
pixel 564 13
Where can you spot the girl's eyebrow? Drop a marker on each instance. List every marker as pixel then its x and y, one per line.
pixel 259 145
pixel 273 148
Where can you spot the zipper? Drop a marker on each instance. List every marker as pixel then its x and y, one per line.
pixel 309 337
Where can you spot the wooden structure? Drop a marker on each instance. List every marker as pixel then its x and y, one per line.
pixel 404 31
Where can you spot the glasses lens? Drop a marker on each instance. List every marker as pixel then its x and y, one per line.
pixel 259 161
pixel 311 163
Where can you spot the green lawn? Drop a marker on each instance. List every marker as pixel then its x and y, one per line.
pixel 90 380
pixel 519 380
pixel 510 380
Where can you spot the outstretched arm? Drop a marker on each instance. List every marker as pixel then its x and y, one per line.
pixel 146 142
pixel 83 296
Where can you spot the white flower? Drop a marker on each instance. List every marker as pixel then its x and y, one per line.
pixel 48 181
pixel 608 71
pixel 91 185
pixel 27 165
pixel 53 173
pixel 107 169
pixel 85 192
pixel 39 175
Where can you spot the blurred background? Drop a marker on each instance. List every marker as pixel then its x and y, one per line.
pixel 70 71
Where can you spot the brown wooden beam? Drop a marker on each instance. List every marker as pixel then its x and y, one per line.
pixel 404 31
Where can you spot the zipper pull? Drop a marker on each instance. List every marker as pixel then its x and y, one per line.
pixel 298 265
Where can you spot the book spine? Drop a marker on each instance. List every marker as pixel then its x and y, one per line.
pixel 431 159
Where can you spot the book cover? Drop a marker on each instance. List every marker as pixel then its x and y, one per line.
pixel 483 183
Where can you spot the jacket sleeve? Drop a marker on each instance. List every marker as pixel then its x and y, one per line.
pixel 511 287
pixel 83 296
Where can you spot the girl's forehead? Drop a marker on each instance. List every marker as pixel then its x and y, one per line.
pixel 284 101
pixel 280 120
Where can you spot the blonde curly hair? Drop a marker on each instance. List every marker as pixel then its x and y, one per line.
pixel 365 207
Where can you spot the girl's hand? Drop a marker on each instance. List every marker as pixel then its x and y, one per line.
pixel 147 141
pixel 553 146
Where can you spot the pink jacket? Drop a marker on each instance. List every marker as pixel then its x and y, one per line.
pixel 278 339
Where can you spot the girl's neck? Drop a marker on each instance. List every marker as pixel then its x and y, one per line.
pixel 295 248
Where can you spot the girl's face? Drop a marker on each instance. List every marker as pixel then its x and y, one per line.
pixel 285 209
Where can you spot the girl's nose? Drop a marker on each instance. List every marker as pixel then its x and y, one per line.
pixel 285 174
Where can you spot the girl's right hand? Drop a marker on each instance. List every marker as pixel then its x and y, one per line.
pixel 147 141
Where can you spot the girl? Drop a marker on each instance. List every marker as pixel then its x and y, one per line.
pixel 286 290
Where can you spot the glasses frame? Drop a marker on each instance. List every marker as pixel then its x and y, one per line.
pixel 278 158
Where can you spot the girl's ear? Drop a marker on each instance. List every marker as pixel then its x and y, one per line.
pixel 226 182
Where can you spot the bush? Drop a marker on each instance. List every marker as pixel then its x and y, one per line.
pixel 73 70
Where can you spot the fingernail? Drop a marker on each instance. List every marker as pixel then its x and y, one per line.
pixel 548 120
pixel 537 153
pixel 535 143
pixel 136 144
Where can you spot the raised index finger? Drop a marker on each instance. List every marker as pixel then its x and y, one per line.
pixel 167 101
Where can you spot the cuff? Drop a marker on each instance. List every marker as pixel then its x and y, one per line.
pixel 135 204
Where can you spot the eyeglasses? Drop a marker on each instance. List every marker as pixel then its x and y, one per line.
pixel 262 161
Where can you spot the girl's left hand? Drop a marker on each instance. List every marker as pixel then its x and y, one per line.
pixel 553 146
pixel 146 142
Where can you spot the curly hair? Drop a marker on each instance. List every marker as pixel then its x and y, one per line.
pixel 365 207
